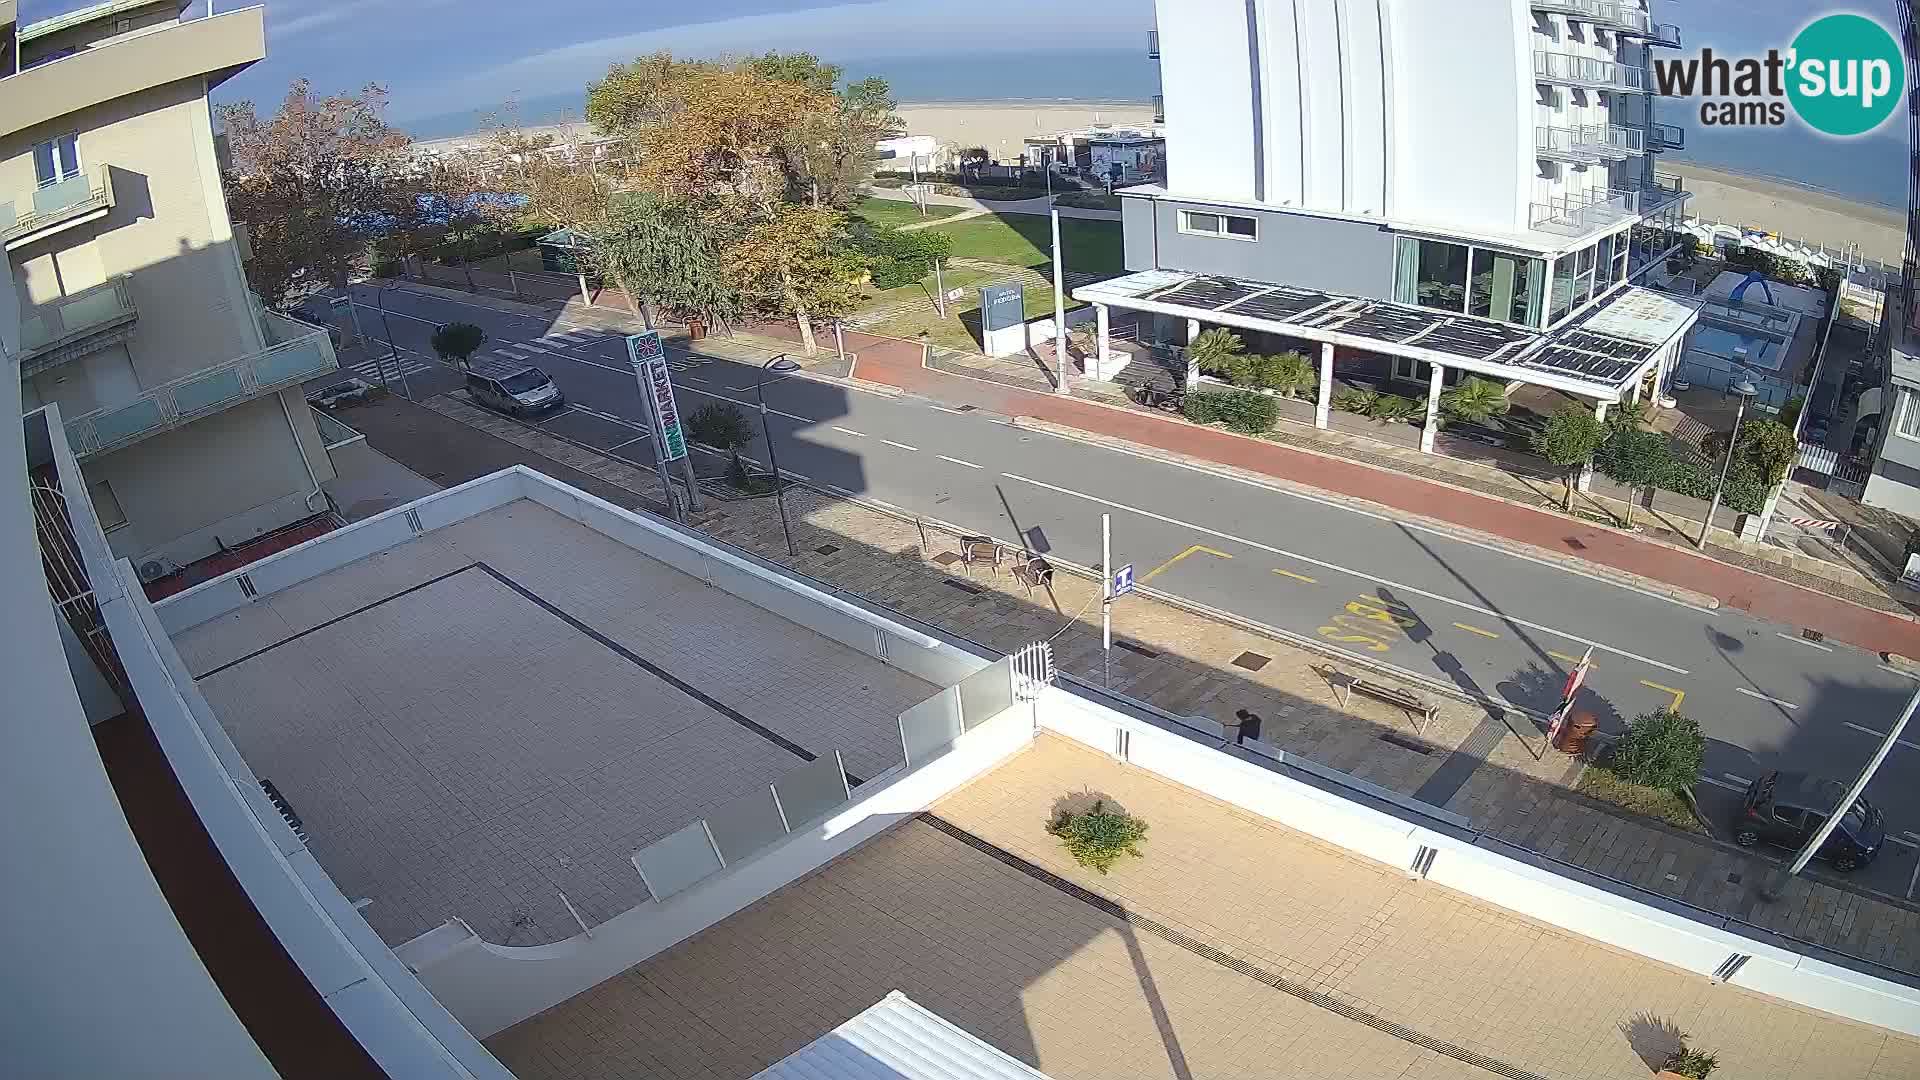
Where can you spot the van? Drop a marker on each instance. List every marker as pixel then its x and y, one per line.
pixel 519 392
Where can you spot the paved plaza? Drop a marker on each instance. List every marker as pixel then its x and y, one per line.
pixel 502 711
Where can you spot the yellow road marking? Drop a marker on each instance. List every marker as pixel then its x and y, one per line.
pixel 1197 548
pixel 1678 695
pixel 1298 577
pixel 1591 666
pixel 1476 630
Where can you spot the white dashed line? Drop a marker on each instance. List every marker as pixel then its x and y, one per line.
pixel 1897 671
pixel 1881 735
pixel 1738 779
pixel 943 408
pixel 957 461
pixel 850 431
pixel 1903 841
pixel 1763 697
pixel 1803 641
pixel 900 445
pixel 1722 784
pixel 1489 612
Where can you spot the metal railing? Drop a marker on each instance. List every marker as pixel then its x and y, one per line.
pixel 333 433
pixel 1666 137
pixel 1589 71
pixel 1610 14
pixel 1159 109
pixel 47 327
pixel 52 203
pixel 1589 143
pixel 1664 34
pixel 1153 44
pixel 203 393
pixel 1575 215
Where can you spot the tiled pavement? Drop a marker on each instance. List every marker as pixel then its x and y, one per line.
pixel 1233 948
pixel 458 750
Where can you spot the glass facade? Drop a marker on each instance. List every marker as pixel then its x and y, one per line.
pixel 1473 280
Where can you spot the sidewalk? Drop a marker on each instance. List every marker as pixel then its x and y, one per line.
pixel 1207 671
pixel 1037 205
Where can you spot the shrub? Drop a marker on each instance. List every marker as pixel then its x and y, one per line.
pixel 1661 750
pixel 1393 409
pixel 458 341
pixel 1687 476
pixel 1356 401
pixel 1287 373
pixel 1635 456
pixel 1474 401
pixel 1217 352
pixel 1693 1064
pixel 724 427
pixel 1098 838
pixel 1242 410
pixel 1569 438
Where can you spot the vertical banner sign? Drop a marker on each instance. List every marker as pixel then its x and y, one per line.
pixel 1574 682
pixel 649 362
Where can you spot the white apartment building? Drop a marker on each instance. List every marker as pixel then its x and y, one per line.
pixel 123 293
pixel 1343 172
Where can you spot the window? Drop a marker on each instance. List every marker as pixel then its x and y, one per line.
pixel 1431 273
pixel 106 506
pixel 1561 299
pixel 1909 422
pixel 1231 226
pixel 1583 276
pixel 1505 286
pixel 56 159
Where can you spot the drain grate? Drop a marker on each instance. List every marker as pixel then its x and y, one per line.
pixel 1252 661
pixel 1733 879
pixel 827 549
pixel 965 587
pixel 1405 743
pixel 946 558
pixel 1813 635
pixel 1132 648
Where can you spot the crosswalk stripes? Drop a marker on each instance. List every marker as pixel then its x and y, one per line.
pixel 369 370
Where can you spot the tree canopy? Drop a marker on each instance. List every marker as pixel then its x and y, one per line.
pixel 1568 440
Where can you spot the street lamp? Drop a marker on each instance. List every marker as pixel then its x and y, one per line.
pixel 1746 390
pixel 380 297
pixel 785 367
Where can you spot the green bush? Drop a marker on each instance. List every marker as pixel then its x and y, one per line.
pixel 1217 352
pixel 1693 1064
pixel 1098 838
pixel 1687 476
pixel 1394 409
pixel 458 341
pixel 896 257
pixel 1242 410
pixel 1288 373
pixel 1356 401
pixel 1661 750
pixel 1475 401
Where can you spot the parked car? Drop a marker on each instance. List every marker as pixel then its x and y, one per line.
pixel 332 396
pixel 1785 809
pixel 518 392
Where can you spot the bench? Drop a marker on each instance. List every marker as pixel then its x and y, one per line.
pixel 1347 685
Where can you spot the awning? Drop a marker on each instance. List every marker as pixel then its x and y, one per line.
pixel 898 1040
pixel 1598 354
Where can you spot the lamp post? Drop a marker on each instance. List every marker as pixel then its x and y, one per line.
pixel 380 295
pixel 1746 390
pixel 785 367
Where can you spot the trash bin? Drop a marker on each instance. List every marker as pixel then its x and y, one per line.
pixel 1576 731
pixel 696 329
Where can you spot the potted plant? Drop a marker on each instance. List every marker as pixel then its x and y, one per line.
pixel 1097 838
pixel 1688 1064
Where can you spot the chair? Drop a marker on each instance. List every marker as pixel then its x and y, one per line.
pixel 1034 572
pixel 980 549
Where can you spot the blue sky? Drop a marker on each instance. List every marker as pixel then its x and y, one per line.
pixel 437 56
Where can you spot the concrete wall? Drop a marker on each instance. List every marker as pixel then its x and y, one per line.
pixel 1136 233
pixel 1509 877
pixel 233 475
pixel 1299 249
pixel 491 987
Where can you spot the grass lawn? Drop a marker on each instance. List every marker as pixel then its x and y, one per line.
pixel 892 212
pixel 1026 240
pixel 1602 783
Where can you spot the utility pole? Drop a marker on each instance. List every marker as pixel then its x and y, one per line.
pixel 1106 599
pixel 1059 305
pixel 1859 785
pixel 939 289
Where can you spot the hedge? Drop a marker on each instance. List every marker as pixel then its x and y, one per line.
pixel 1242 410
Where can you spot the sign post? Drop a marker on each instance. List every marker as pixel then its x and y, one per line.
pixel 1574 681
pixel 1116 584
pixel 649 360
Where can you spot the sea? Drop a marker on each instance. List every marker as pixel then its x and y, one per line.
pixel 1870 168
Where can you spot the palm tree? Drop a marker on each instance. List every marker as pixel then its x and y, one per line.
pixel 1216 350
pixel 1474 400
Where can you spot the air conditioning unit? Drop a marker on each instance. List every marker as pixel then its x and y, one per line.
pixel 154 569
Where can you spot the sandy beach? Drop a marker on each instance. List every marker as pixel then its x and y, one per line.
pixel 1796 212
pixel 999 126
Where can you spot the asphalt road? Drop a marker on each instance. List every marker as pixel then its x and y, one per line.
pixel 1497 625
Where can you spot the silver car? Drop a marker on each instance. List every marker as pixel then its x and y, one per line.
pixel 527 390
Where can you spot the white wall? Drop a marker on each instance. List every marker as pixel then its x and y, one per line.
pixel 491 987
pixel 1206 79
pixel 1666 931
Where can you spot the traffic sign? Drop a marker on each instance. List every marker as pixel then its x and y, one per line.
pixel 1122 583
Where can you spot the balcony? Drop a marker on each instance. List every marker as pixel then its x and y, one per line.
pixel 1665 35
pixel 77 199
pixel 1153 44
pixel 1586 72
pixel 1615 15
pixel 1666 137
pixel 1658 194
pixel 1578 215
pixel 302 352
pixel 1589 144
pixel 73 326
pixel 1159 109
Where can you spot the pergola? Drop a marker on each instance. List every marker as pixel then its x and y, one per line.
pixel 1603 354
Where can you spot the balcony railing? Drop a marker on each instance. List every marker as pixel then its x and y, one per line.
pixel 1656 194
pixel 1589 143
pixel 55 204
pixel 1664 34
pixel 1159 109
pixel 1153 44
pixel 204 392
pixel 333 433
pixel 1587 71
pixel 1577 215
pixel 1610 14
pixel 1666 137
pixel 72 326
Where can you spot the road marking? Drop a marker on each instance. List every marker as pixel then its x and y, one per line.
pixel 1476 630
pixel 1723 784
pixel 1737 778
pixel 1297 577
pixel 642 437
pixel 1565 659
pixel 1881 735
pixel 1903 841
pixel 957 461
pixel 1763 697
pixel 900 445
pixel 1194 550
pixel 943 408
pixel 510 352
pixel 1802 641
pixel 1897 671
pixel 1678 695
pixel 850 431
pixel 1283 553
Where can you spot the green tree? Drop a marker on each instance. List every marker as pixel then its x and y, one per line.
pixel 1568 440
pixel 1474 401
pixel 1635 456
pixel 1769 447
pixel 671 254
pixel 458 341
pixel 1217 351
pixel 1662 750
pixel 797 265
pixel 724 427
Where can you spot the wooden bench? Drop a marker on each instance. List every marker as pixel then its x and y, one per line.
pixel 1347 685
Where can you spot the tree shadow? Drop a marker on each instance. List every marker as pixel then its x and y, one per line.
pixel 1653 1039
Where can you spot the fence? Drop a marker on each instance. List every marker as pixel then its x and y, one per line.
pixel 1809 251
pixel 519 285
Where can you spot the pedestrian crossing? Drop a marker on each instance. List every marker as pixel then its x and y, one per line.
pixel 404 366
pixel 575 337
